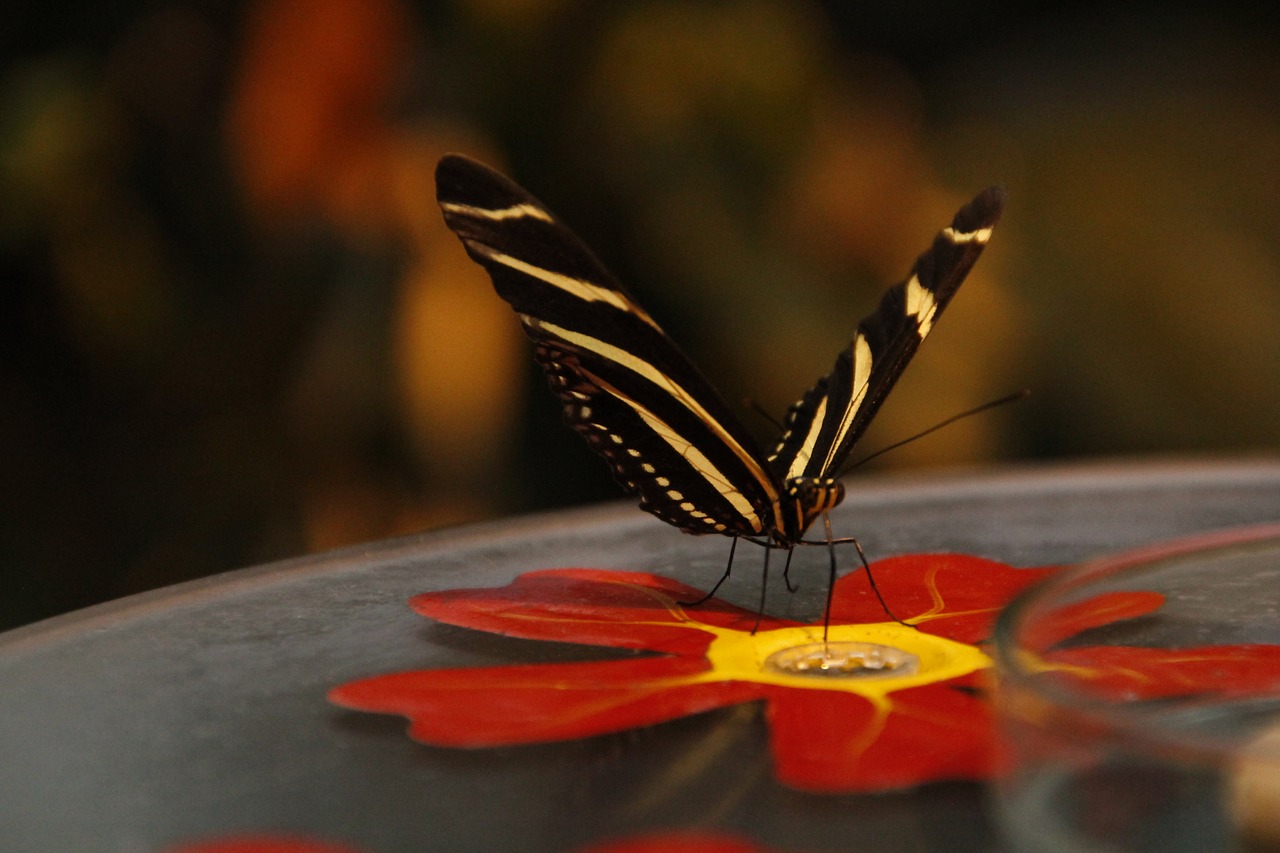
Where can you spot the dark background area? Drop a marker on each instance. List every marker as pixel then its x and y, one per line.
pixel 233 327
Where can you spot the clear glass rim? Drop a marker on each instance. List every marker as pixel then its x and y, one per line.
pixel 1014 676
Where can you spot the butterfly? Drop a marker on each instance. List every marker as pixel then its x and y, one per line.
pixel 626 387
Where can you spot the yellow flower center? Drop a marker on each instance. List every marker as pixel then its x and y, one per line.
pixel 872 660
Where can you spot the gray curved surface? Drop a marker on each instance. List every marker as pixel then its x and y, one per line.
pixel 200 709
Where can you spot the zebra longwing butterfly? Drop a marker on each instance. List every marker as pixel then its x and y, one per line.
pixel 640 402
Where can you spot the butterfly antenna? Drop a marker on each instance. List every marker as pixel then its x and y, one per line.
pixel 724 577
pixel 1008 398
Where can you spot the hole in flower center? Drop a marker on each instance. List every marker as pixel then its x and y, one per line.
pixel 843 660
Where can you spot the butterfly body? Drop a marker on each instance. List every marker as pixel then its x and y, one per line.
pixel 640 403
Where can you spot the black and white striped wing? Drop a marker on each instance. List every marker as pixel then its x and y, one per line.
pixel 625 386
pixel 823 426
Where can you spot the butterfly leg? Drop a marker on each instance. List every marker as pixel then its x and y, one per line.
pixel 865 565
pixel 724 577
pixel 786 571
pixel 831 574
pixel 764 589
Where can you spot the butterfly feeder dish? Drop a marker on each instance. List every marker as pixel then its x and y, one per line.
pixel 843 660
pixel 199 711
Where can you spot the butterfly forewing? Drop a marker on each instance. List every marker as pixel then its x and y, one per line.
pixel 823 426
pixel 625 386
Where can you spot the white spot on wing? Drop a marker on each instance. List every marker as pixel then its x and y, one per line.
pixel 695 457
pixel 648 371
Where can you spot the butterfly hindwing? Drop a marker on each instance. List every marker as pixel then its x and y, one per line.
pixel 678 490
pixel 823 426
pixel 625 386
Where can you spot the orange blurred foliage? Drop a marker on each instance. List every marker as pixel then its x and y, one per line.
pixel 307 123
pixel 310 127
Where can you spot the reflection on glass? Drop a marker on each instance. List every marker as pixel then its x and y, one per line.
pixel 1159 732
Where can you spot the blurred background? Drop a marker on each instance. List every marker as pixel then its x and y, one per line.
pixel 233 327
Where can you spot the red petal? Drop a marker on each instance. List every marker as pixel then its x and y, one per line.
pixel 938 731
pixel 829 742
pixel 1128 673
pixel 951 595
pixel 492 706
pixel 1070 619
pixel 632 610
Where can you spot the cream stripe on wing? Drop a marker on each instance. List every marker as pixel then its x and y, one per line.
pixel 695 457
pixel 861 379
pixel 515 211
pixel 922 305
pixel 858 392
pixel 648 371
pixel 982 235
pixel 583 290
pixel 801 460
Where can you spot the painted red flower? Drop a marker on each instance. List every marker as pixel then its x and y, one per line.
pixel 918 719
pixel 916 711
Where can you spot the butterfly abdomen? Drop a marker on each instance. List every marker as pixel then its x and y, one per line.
pixel 804 500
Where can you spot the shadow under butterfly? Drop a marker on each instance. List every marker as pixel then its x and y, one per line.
pixel 640 402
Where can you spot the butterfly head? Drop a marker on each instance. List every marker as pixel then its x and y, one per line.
pixel 805 499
